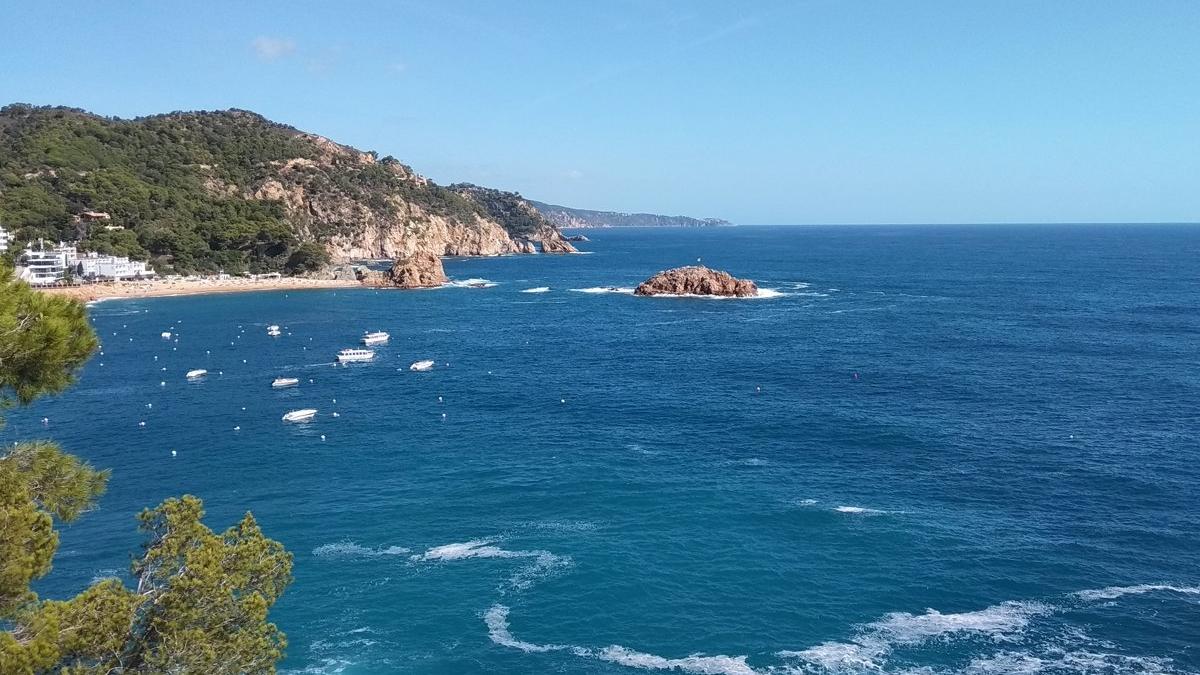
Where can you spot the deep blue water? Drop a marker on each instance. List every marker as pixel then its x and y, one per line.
pixel 939 449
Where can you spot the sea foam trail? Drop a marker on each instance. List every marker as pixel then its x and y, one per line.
pixel 605 289
pixel 499 632
pixel 349 549
pixel 1114 592
pixel 469 283
pixel 538 289
pixel 543 563
pixel 860 510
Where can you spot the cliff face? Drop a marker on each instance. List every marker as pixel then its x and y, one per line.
pixel 361 207
pixel 563 216
pixel 232 190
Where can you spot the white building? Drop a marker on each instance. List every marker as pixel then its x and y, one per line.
pixel 42 266
pixel 5 238
pixel 109 267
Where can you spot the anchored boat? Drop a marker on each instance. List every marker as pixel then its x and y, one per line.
pixel 302 415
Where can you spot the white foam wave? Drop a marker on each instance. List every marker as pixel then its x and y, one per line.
pixel 998 622
pixel 349 549
pixel 1114 592
pixel 538 289
pixel 473 282
pixel 1057 660
pixel 838 657
pixel 763 294
pixel 496 619
pixel 860 510
pixel 605 289
pixel 500 633
pixel 476 548
pixel 544 563
pixel 696 663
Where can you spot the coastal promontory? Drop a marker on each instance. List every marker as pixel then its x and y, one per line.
pixel 697 280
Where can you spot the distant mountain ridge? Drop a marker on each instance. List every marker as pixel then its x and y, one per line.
pixel 564 216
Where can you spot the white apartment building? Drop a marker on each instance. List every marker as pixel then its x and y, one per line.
pixel 5 238
pixel 41 266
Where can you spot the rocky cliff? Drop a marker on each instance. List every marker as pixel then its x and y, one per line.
pixel 231 190
pixel 696 281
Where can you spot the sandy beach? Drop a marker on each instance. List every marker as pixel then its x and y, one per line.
pixel 150 289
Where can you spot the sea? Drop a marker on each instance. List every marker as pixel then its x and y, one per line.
pixel 924 449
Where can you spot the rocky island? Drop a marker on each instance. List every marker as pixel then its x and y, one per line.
pixel 697 280
pixel 419 270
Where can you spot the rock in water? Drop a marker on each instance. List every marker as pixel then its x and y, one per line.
pixel 419 270
pixel 696 280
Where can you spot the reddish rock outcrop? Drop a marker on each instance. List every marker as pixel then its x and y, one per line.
pixel 419 270
pixel 696 281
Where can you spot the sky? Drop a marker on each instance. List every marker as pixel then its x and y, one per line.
pixel 763 112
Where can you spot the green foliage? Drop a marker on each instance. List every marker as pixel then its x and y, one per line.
pixel 44 339
pixel 307 257
pixel 115 242
pixel 184 183
pixel 201 600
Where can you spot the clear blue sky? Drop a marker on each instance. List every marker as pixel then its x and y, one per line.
pixel 760 112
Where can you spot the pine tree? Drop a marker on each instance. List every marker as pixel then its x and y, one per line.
pixel 201 600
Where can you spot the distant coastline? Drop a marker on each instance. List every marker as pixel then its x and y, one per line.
pixel 567 217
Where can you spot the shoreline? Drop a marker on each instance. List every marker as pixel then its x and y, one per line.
pixel 158 289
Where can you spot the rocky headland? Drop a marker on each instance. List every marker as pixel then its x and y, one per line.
pixel 697 280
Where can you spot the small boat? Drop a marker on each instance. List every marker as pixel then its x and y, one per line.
pixel 422 366
pixel 196 374
pixel 377 338
pixel 166 335
pixel 273 331
pixel 302 415
pixel 355 355
pixel 281 382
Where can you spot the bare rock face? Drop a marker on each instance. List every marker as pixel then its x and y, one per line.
pixel 419 270
pixel 696 280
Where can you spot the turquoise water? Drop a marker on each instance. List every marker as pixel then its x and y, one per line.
pixel 935 449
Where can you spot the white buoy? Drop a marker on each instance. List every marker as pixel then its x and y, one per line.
pixel 173 453
pixel 335 400
pixel 562 400
pixel 45 420
pixel 149 405
pixel 322 436
pixel 443 415
pixel 439 399
pixel 162 384
pixel 336 415
pixel 238 428
pixel 141 424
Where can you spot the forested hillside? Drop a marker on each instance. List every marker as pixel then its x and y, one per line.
pixel 232 190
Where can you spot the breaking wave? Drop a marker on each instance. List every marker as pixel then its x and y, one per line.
pixel 605 289
pixel 873 645
pixel 542 563
pixel 1114 592
pixel 349 549
pixel 469 283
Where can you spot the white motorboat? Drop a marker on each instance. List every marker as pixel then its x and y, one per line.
pixel 273 331
pixel 302 415
pixel 281 382
pixel 422 366
pixel 166 335
pixel 196 374
pixel 377 338
pixel 355 355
